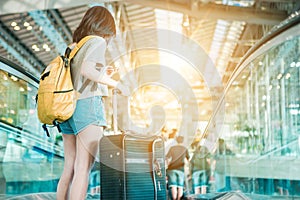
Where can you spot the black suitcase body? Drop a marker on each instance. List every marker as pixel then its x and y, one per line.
pixel 132 168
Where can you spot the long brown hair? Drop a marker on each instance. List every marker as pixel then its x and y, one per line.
pixel 96 21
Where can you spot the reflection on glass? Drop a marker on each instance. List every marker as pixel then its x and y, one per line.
pixel 262 113
pixel 262 125
pixel 29 161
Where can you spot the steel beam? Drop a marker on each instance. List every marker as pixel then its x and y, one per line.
pixel 19 52
pixel 56 38
pixel 58 19
pixel 216 11
pixel 193 8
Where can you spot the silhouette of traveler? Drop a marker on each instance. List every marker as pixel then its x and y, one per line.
pixel 176 157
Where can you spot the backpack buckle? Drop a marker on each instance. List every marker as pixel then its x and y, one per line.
pixel 66 61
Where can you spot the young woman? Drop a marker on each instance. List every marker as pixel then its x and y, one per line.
pixel 82 132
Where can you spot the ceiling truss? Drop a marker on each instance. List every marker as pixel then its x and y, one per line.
pixel 52 25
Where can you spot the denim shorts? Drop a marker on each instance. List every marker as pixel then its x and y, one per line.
pixel 88 111
pixel 175 178
pixel 200 178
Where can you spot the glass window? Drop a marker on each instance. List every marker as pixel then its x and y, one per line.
pixel 261 126
pixel 29 161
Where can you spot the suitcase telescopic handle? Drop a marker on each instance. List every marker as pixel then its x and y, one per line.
pixel 115 93
pixel 130 133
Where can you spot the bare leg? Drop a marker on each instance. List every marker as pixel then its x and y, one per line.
pixel 179 193
pixel 174 193
pixel 203 189
pixel 197 190
pixel 67 174
pixel 287 192
pixel 86 149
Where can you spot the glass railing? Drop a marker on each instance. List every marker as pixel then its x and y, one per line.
pixel 30 162
pixel 260 127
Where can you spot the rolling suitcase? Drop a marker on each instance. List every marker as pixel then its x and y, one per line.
pixel 132 167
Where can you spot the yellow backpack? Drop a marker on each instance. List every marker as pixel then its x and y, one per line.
pixel 56 97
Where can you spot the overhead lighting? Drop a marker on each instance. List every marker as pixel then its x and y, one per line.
pixel 270 87
pixel 294 105
pixel 186 24
pixel 293 64
pixel 14 78
pixel 14 24
pixel 279 76
pixel 186 21
pixel 17 28
pixel 29 28
pixel 10 120
pixel 126 64
pixel 35 47
pixel 235 83
pixel 46 47
pixel 26 24
pixel 203 112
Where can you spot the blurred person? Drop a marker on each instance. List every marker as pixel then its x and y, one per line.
pixel 196 140
pixel 82 132
pixel 223 181
pixel 176 158
pixel 170 140
pixel 200 169
pixel 3 145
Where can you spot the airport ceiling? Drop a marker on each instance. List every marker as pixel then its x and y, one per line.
pixel 33 32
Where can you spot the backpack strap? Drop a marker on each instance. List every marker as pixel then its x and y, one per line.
pixel 79 45
pixel 70 53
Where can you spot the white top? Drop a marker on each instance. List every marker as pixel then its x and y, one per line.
pixel 91 59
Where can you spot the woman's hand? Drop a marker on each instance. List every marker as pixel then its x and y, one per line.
pixel 110 70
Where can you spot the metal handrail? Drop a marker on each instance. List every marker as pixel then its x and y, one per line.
pixel 37 141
